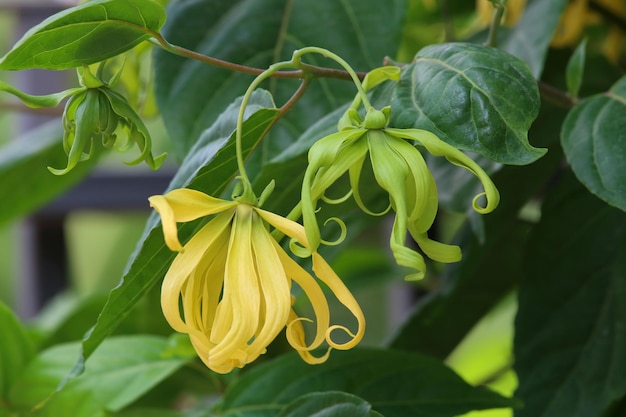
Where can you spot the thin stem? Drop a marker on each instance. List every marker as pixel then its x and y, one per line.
pixel 305 69
pixel 18 107
pixel 556 96
pixel 294 98
pixel 248 194
pixel 496 374
pixel 297 55
pixel 492 39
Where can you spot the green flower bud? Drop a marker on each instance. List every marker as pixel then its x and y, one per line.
pixel 399 169
pixel 101 117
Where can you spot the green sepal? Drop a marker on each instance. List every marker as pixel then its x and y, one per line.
pixel 49 100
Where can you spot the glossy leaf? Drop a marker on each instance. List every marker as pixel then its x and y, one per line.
pixel 575 69
pixel 214 158
pixel 530 38
pixel 121 371
pixel 328 404
pixel 571 323
pixel 15 352
pixel 476 98
pixel 26 183
pixel 192 94
pixel 396 384
pixel 85 34
pixel 594 139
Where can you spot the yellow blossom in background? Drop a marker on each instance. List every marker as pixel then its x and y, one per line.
pixel 575 18
pixel 513 12
pixel 229 288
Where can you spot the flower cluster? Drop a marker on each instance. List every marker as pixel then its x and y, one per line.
pixel 233 282
pixel 96 115
pixel 230 286
pixel 399 169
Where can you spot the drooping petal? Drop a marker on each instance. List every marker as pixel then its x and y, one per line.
pixel 421 187
pixel 314 293
pixel 437 147
pixel 275 290
pixel 183 205
pixel 240 305
pixel 209 241
pixel 327 163
pixel 326 274
pixel 392 173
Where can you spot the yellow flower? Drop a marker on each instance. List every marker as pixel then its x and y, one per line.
pixel 400 170
pixel 229 288
pixel 512 13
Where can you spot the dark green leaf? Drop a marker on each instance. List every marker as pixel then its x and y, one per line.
pixel 16 350
pixel 571 324
pixel 594 140
pixel 474 97
pixel 26 183
pixel 85 34
pixel 530 39
pixel 191 94
pixel 576 69
pixel 122 370
pixel 209 167
pixel 396 384
pixel 327 404
pixel 488 271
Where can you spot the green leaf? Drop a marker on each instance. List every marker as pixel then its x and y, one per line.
pixel 209 168
pixel 594 139
pixel 575 69
pixel 26 183
pixel 121 371
pixel 394 383
pixel 571 323
pixel 16 350
pixel 474 97
pixel 489 270
pixel 530 39
pixel 192 94
pixel 328 404
pixel 85 34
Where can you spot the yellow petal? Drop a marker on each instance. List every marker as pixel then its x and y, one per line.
pixel 183 205
pixel 318 301
pixel 241 298
pixel 275 290
pixel 209 241
pixel 437 147
pixel 326 274
pixel 168 220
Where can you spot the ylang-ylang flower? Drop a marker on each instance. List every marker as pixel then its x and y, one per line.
pixel 399 169
pixel 229 288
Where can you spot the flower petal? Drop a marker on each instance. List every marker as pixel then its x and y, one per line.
pixel 326 274
pixel 437 147
pixel 275 289
pixel 209 240
pixel 327 162
pixel 314 293
pixel 183 205
pixel 240 305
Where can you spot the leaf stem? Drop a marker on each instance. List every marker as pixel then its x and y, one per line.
pixel 315 71
pixel 556 96
pixel 492 39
